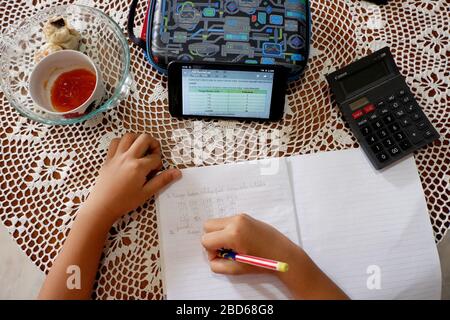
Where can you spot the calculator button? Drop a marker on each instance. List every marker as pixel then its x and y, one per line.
pixel 395 105
pixel 394 150
pixel 382 157
pixel 383 111
pixel 400 112
pixel 414 135
pixel 416 116
pixel 399 136
pixel 377 125
pixel 371 139
pixel 405 145
pixel 404 122
pixel 369 108
pixel 401 93
pixel 381 104
pixel 428 134
pixel 394 127
pixel 388 143
pixel 365 130
pixel 377 148
pixel 391 98
pixel 406 99
pixel 373 116
pixel 410 108
pixel 362 122
pixel 357 114
pixel 388 119
pixel 382 133
pixel 422 125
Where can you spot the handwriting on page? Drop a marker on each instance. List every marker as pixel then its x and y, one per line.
pixel 214 192
pixel 207 202
pixel 193 212
pixel 207 190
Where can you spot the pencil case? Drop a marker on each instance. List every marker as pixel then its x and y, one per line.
pixel 231 31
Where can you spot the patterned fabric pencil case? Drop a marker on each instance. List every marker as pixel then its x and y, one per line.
pixel 230 31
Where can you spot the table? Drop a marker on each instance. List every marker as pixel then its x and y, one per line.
pixel 46 172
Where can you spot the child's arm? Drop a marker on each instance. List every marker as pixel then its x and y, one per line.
pixel 246 235
pixel 121 186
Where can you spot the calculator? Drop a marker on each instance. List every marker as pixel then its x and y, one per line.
pixel 380 109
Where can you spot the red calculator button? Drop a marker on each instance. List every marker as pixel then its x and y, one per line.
pixel 369 108
pixel 357 114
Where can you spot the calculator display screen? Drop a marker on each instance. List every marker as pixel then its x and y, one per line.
pixel 364 77
pixel 359 104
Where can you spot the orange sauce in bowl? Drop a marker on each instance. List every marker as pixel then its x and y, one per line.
pixel 71 89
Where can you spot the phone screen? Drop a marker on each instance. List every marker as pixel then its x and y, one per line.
pixel 226 93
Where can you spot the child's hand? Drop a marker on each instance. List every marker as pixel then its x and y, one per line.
pixel 244 235
pixel 123 184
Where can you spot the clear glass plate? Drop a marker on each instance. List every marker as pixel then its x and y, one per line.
pixel 102 40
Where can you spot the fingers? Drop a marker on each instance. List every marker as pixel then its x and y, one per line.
pixel 216 224
pixel 211 255
pixel 112 148
pixel 151 162
pixel 160 181
pixel 144 144
pixel 216 240
pixel 126 142
pixel 223 266
pixel 230 267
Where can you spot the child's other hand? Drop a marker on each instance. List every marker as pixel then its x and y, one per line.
pixel 244 235
pixel 123 184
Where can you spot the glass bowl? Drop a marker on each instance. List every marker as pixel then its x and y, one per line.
pixel 102 40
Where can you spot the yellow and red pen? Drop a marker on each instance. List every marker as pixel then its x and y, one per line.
pixel 254 261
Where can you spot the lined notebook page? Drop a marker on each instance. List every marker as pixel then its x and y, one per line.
pixel 219 191
pixel 357 223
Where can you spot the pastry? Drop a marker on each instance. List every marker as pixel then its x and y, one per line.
pixel 58 32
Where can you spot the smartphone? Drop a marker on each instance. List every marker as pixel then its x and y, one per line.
pixel 227 91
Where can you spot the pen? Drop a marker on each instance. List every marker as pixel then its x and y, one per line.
pixel 254 261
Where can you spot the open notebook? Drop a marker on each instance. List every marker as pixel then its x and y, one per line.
pixel 354 222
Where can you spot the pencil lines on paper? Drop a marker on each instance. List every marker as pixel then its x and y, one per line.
pixel 192 213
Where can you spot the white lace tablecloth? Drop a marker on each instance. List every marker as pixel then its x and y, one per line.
pixel 47 171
